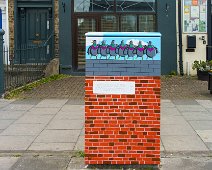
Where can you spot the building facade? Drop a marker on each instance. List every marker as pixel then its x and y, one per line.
pixel 80 16
pixel 69 20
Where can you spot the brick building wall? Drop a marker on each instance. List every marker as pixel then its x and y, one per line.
pixel 11 25
pixel 56 26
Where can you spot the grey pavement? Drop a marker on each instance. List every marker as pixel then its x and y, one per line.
pixel 57 126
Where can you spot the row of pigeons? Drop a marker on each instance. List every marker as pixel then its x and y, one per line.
pixel 122 50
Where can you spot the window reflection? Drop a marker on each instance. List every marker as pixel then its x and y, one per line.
pixel 109 23
pixel 129 23
pixel 136 5
pixel 147 23
pixel 93 5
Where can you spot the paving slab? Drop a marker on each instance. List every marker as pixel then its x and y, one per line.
pixel 183 143
pixel 43 111
pixel 80 145
pixel 76 163
pixel 75 102
pixel 167 104
pixel 209 145
pixel 17 107
pixel 58 136
pixel 210 111
pixel 82 133
pixel 34 119
pixel 41 163
pixel 7 162
pixel 166 100
pixel 170 111
pixel 198 116
pixel 27 102
pixel 206 135
pixel 10 115
pixel 52 103
pixel 66 124
pixel 23 130
pixel 161 146
pixel 186 163
pixel 169 120
pixel 13 143
pixel 191 108
pixel 73 108
pixel 3 104
pixel 185 102
pixel 201 125
pixel 205 103
pixel 61 115
pixel 177 130
pixel 5 123
pixel 51 147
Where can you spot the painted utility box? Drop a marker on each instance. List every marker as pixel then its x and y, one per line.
pixel 122 98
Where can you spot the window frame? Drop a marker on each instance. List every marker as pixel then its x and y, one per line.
pixel 114 10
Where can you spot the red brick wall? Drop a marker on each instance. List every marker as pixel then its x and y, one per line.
pixel 123 129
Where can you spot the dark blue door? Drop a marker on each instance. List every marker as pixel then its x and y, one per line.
pixel 35 45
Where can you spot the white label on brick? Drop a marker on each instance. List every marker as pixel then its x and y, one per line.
pixel 113 87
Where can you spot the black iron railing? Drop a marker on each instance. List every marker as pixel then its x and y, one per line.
pixel 26 64
pixel 17 74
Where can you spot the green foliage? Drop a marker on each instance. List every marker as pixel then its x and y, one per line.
pixel 16 92
pixel 80 154
pixel 173 73
pixel 202 65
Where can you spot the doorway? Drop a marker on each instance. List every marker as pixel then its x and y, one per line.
pixel 34 35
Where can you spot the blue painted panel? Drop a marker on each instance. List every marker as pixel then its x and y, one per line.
pixel 123 47
pixel 123 34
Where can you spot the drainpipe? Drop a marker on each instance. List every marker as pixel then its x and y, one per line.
pixel 180 37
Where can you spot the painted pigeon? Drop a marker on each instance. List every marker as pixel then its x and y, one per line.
pixel 93 49
pixel 151 50
pixel 140 50
pixel 111 49
pixel 131 50
pixel 121 50
pixel 102 50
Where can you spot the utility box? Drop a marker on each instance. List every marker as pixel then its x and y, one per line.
pixel 122 98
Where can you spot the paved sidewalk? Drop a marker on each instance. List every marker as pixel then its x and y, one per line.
pixel 45 126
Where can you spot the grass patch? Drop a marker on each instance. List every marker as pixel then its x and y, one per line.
pixel 17 155
pixel 16 92
pixel 80 154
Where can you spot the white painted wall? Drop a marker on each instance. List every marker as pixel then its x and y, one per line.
pixel 190 57
pixel 5 24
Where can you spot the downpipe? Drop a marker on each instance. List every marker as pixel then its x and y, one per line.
pixel 180 37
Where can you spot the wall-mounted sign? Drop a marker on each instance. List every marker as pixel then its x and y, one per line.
pixel 195 16
pixel 113 87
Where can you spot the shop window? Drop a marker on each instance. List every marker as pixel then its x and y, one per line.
pixel 147 23
pixel 136 5
pixel 93 5
pixel 109 23
pixel 129 23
